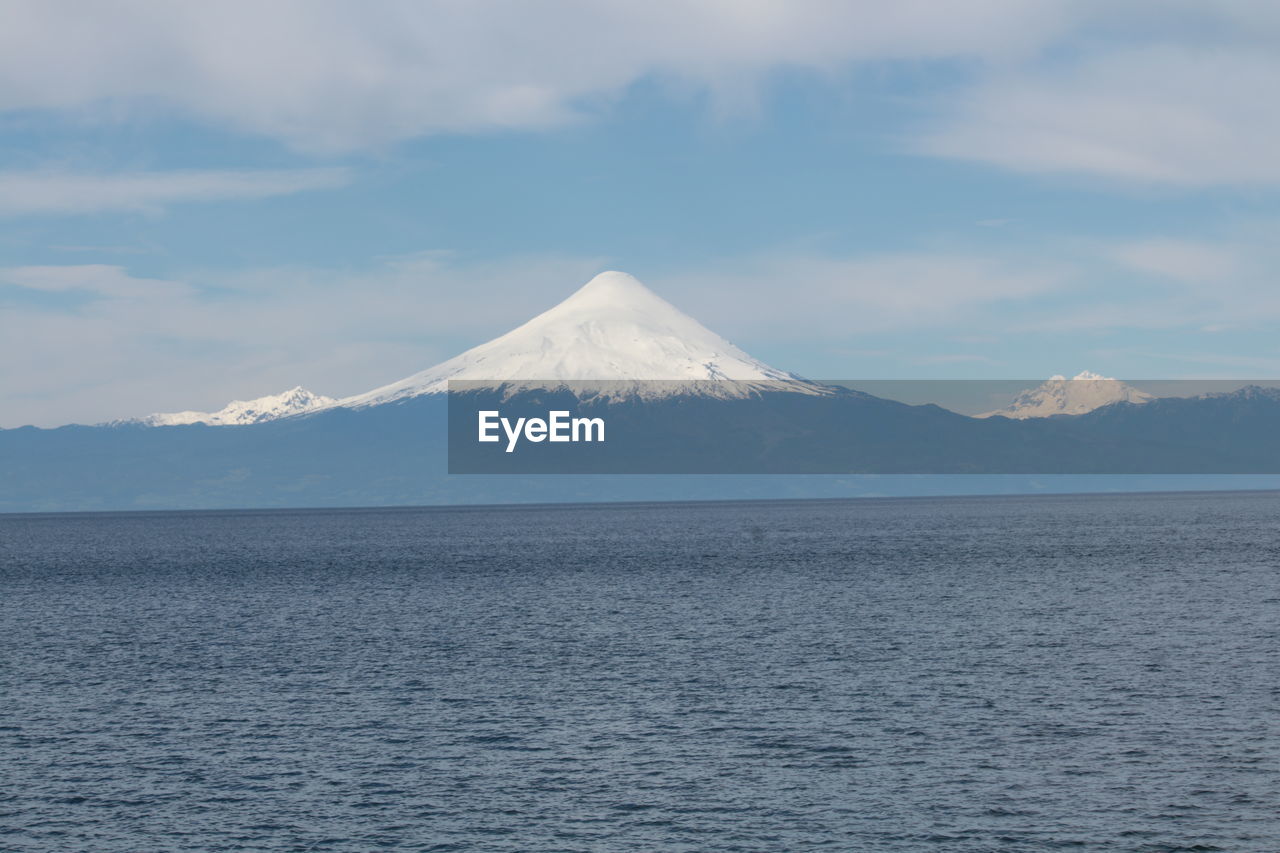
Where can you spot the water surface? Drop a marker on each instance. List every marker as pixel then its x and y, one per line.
pixel 983 674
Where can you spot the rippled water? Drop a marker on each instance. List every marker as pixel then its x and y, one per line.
pixel 950 674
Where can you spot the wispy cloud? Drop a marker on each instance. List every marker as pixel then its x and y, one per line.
pixel 324 75
pixel 957 358
pixel 828 294
pixel 102 281
pixel 51 192
pixel 1220 282
pixel 1181 115
pixel 1173 92
pixel 1183 260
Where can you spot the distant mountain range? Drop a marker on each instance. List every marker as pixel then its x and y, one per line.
pixel 680 400
pixel 295 401
pixel 617 331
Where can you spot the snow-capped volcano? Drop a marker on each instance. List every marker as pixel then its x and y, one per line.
pixel 613 330
pixel 1082 393
pixel 240 412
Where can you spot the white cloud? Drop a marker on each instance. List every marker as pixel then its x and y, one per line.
pixel 815 294
pixel 1170 114
pixel 327 75
pixel 1182 260
pixel 1225 283
pixel 99 280
pixel 1160 91
pixel 956 358
pixel 56 192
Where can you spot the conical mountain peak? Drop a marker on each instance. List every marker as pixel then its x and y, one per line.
pixel 614 299
pixel 612 286
pixel 612 329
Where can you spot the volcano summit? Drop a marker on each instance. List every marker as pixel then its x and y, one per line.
pixel 614 330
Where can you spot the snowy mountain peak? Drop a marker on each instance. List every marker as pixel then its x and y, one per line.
pixel 613 289
pixel 1087 375
pixel 240 412
pixel 612 330
pixel 1059 395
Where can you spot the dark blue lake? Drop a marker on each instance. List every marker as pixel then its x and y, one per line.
pixel 985 674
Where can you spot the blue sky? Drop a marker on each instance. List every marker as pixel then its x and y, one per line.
pixel 217 201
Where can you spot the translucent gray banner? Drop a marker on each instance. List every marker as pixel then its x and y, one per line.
pixel 1083 425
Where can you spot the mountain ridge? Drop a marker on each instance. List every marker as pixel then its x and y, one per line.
pixel 1058 395
pixel 296 400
